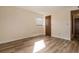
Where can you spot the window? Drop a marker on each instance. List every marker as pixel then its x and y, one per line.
pixel 39 21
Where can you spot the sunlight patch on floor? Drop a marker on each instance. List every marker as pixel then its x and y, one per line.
pixel 39 45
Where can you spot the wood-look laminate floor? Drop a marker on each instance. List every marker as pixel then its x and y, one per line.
pixel 43 44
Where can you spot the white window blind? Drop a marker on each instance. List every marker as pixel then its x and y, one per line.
pixel 39 21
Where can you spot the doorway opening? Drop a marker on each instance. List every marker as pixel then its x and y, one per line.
pixel 75 25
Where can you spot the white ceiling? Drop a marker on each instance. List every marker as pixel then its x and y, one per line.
pixel 45 9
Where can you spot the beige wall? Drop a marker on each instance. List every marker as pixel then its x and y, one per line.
pixel 17 23
pixel 61 23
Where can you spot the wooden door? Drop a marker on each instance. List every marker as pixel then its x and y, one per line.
pixel 76 27
pixel 48 25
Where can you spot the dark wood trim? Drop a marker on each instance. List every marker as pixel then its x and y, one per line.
pixel 73 14
pixel 71 26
